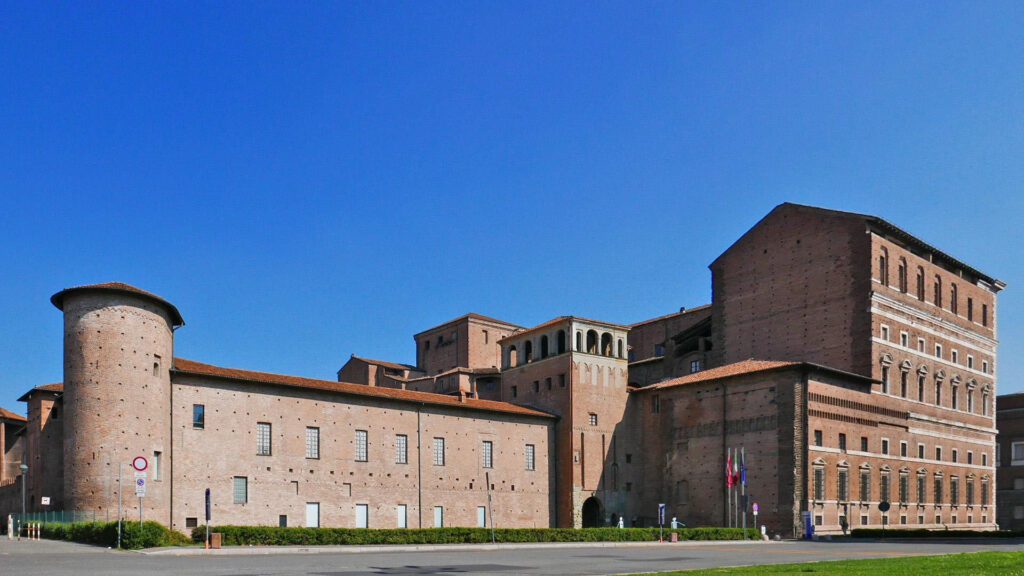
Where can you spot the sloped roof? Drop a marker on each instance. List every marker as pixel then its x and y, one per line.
pixel 385 363
pixel 560 319
pixel 55 387
pixel 746 367
pixel 472 315
pixel 672 315
pixel 8 415
pixel 185 366
pixel 58 298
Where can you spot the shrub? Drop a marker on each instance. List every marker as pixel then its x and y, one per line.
pixel 277 536
pixel 133 535
pixel 926 533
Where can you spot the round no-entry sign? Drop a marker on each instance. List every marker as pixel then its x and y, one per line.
pixel 140 463
pixel 755 507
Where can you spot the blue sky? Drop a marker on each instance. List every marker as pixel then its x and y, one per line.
pixel 306 182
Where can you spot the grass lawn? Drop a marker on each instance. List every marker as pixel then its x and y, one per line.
pixel 978 563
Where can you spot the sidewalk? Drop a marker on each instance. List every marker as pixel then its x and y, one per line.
pixel 253 550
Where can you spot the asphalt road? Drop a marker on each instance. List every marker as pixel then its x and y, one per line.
pixel 61 558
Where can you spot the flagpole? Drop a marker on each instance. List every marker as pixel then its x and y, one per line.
pixel 735 477
pixel 743 486
pixel 728 487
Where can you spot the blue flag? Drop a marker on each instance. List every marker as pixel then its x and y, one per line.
pixel 743 469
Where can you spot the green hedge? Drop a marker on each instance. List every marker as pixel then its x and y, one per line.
pixel 925 533
pixel 133 537
pixel 277 536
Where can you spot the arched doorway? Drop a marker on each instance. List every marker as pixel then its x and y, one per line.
pixel 591 513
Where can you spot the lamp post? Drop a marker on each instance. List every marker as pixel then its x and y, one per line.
pixel 24 478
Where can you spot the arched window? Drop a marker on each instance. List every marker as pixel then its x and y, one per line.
pixel 952 298
pixel 544 346
pixel 513 357
pixel 528 351
pixel 902 275
pixel 591 342
pixel 579 341
pixel 561 341
pixel 620 348
pixel 920 283
pixel 938 291
pixel 883 267
pixel 606 344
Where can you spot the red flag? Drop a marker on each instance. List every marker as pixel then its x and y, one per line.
pixel 728 469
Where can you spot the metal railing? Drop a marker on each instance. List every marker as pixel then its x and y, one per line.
pixel 56 516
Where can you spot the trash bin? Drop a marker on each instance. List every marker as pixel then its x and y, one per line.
pixel 215 540
pixel 675 537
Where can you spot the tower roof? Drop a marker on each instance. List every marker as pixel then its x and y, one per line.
pixel 122 288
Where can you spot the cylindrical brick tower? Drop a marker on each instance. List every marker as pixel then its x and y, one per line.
pixel 118 349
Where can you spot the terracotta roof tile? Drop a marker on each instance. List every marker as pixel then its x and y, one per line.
pixel 734 369
pixel 385 363
pixel 55 387
pixel 192 367
pixel 58 298
pixel 8 415
pixel 472 315
pixel 558 320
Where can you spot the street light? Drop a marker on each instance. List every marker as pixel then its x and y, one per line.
pixel 24 477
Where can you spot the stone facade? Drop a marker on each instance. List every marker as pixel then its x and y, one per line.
pixel 847 381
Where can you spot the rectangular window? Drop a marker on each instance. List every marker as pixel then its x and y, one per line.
pixel 903 384
pixel 263 439
pixel 937 490
pixel 198 416
pixel 970 309
pixel 921 481
pixel 904 488
pixel 970 492
pixel 863 443
pixel 1016 453
pixel 401 449
pixel 885 487
pixel 361 448
pixel 536 385
pixel 984 314
pixel 842 441
pixel 157 465
pixel 481 517
pixel 819 483
pixel 659 350
pixel 956 453
pixel 817 437
pixel 954 491
pixel 593 419
pixel 920 388
pixel 984 493
pixel 694 366
pixel 938 350
pixel 885 379
pixel 438 451
pixel 438 516
pixel 515 391
pixel 920 451
pixel 904 339
pixel 240 489
pixel 970 361
pixel 282 520
pixel 885 332
pixel 547 383
pixel 920 345
pixel 312 442
pixel 903 449
pixel 561 380
pixel 984 366
pixel 401 516
pixel 885 445
pixel 865 485
pixel 954 356
pixel 488 453
pixel 844 485
pixel 938 452
pixel 530 462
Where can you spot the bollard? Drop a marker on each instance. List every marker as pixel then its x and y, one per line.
pixel 19 529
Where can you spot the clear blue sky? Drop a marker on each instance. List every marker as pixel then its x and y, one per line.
pixel 309 182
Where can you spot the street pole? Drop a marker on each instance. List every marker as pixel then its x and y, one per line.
pixel 490 514
pixel 119 491
pixel 24 479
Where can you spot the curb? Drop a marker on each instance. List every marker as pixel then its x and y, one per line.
pixel 327 549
